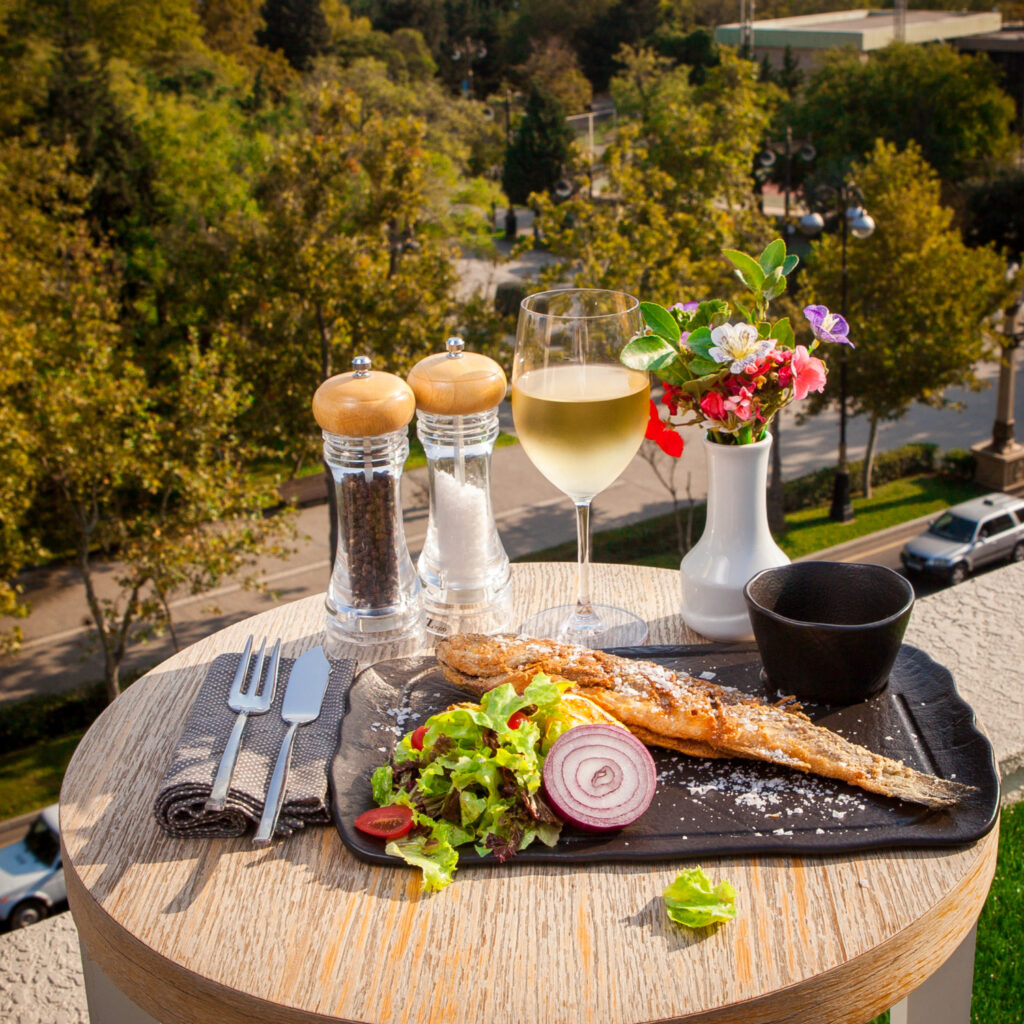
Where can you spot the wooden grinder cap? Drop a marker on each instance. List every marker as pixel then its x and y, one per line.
pixel 457 383
pixel 363 403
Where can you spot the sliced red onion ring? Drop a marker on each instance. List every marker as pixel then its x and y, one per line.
pixel 599 777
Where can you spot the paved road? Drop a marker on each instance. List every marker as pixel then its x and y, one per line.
pixel 531 515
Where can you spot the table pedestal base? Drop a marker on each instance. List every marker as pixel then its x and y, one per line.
pixel 107 1003
pixel 945 998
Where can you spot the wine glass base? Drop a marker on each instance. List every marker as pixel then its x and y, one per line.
pixel 611 627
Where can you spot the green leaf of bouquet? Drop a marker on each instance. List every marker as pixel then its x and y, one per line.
pixel 660 320
pixel 702 366
pixel 675 373
pixel 764 329
pixel 699 341
pixel 648 352
pixel 790 264
pixel 744 313
pixel 711 312
pixel 782 332
pixel 774 256
pixel 774 284
pixel 747 269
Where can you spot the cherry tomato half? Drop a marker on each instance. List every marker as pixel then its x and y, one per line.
pixel 385 822
pixel 416 739
pixel 516 719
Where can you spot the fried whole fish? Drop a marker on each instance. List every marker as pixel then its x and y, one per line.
pixel 670 709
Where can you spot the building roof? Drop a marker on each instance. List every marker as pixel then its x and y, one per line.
pixel 862 30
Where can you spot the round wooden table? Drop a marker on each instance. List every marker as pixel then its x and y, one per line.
pixel 220 931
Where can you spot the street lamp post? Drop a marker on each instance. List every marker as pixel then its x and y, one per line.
pixel 472 50
pixel 785 146
pixel 848 201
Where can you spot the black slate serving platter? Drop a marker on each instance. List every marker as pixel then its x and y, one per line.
pixel 727 806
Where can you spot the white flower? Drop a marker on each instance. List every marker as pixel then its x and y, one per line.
pixel 739 344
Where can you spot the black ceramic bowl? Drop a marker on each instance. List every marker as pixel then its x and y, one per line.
pixel 828 631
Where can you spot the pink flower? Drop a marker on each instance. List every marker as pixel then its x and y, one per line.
pixel 808 373
pixel 713 406
pixel 741 404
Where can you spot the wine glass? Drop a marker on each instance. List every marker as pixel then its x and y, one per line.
pixel 580 416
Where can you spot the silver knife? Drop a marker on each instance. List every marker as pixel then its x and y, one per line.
pixel 302 700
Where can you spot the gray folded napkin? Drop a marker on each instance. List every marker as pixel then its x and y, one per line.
pixel 179 805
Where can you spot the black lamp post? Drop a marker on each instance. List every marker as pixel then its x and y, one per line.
pixel 846 199
pixel 471 50
pixel 785 146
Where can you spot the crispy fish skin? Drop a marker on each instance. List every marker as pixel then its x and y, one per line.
pixel 675 710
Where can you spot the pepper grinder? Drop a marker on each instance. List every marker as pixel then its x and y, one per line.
pixel 463 566
pixel 374 593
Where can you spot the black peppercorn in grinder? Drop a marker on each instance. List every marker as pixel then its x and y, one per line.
pixel 374 594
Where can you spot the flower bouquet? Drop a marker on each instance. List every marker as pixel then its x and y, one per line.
pixel 731 378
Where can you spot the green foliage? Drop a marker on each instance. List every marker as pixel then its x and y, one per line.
pixel 119 463
pixel 949 104
pixel 540 148
pixel 553 65
pixel 696 49
pixel 295 28
pixel 622 23
pixel 995 212
pixel 27 722
pixel 678 185
pixel 958 464
pixel 917 324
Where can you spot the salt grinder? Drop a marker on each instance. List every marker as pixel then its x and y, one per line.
pixel 374 593
pixel 463 566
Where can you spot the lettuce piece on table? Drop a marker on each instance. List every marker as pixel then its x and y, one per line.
pixel 691 900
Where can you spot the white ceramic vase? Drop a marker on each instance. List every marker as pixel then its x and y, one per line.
pixel 736 542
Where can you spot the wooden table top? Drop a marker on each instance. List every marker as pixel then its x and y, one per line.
pixel 218 930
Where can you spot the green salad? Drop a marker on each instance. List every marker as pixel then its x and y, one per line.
pixel 472 774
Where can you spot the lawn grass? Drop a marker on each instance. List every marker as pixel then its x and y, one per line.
pixel 31 778
pixel 998 963
pixel 811 530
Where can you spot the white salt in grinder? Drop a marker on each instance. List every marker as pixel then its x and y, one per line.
pixel 463 568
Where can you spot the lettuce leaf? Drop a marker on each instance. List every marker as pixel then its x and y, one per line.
pixel 435 858
pixel 691 900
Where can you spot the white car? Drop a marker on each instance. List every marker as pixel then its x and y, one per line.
pixel 31 875
pixel 968 536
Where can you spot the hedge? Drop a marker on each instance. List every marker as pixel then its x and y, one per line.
pixel 26 722
pixel 816 488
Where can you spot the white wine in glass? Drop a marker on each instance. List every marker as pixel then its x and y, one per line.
pixel 580 416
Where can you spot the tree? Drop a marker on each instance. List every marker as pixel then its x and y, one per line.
pixel 995 212
pixel 678 185
pixel 344 261
pixel 540 148
pixel 296 28
pixel 622 23
pixel 553 65
pixel 947 103
pixel 918 296
pixel 147 474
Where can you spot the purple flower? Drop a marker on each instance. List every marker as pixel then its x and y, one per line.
pixel 828 326
pixel 685 307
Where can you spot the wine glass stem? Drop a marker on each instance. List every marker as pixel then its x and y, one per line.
pixel 584 615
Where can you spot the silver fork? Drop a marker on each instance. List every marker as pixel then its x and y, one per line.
pixel 244 701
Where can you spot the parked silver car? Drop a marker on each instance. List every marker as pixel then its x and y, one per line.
pixel 31 875
pixel 967 536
